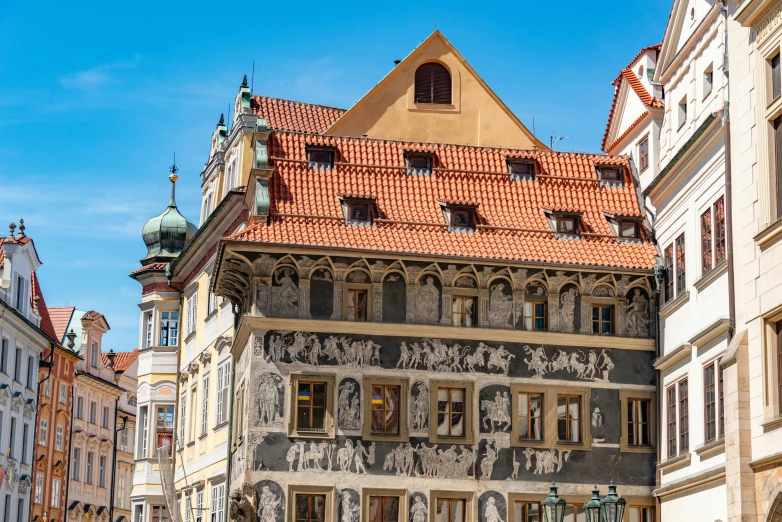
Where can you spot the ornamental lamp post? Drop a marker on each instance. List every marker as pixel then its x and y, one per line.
pixel 613 505
pixel 553 506
pixel 592 508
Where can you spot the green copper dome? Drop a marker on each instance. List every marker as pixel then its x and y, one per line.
pixel 167 235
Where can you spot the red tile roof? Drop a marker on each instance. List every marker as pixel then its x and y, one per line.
pixel 627 131
pixel 295 116
pixel 61 318
pixel 46 321
pixel 151 266
pixel 640 91
pixel 511 224
pixel 23 240
pixel 122 360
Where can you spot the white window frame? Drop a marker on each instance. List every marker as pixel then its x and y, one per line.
pixel 58 438
pixel 199 506
pixel 149 329
pixel 39 489
pixel 63 393
pixel 217 513
pixel 55 493
pixel 94 351
pixel 192 312
pixel 182 418
pixel 47 387
pixel 204 403
pixel 89 467
pixel 106 417
pixel 223 381
pixel 144 431
pixel 43 432
pixel 76 461
pixel 102 461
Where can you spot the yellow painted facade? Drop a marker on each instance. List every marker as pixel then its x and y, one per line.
pixel 476 116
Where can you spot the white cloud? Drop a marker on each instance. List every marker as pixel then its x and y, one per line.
pixel 97 76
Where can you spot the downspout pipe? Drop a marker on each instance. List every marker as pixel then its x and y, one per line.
pixel 48 377
pixel 728 184
pixel 69 456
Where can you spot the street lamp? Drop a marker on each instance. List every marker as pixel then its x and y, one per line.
pixel 613 505
pixel 592 508
pixel 553 506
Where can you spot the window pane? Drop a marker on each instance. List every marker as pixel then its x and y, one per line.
pixel 442 511
pixel 390 509
pixel 457 511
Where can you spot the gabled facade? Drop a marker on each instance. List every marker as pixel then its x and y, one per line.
pixel 25 334
pixel 690 205
pixel 428 330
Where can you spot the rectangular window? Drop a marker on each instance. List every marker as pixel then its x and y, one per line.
pixel 192 301
pixel 80 408
pixel 638 419
pixel 169 328
pixel 56 493
pixel 311 406
pixel 418 164
pixel 148 328
pixel 669 280
pixel 25 445
pixel 610 174
pixel 681 280
pixel 223 376
pixel 629 229
pixel 63 393
pixel 385 409
pixel 21 293
pixel 94 353
pixel 39 489
pixel 204 404
pixel 90 463
pixel 4 356
pixel 105 423
pixel 43 432
pixel 567 225
pixel 188 508
pixel 708 80
pixel 193 410
pixel 320 159
pixel 143 432
pixel 602 320
pixel 123 440
pixel 569 418
pixel 310 508
pixel 641 514
pixel 47 387
pixel 182 418
pixel 102 472
pixel 18 366
pixel 706 240
pixel 684 418
pixel 12 439
pixel 682 112
pixel 776 77
pixel 218 503
pixel 93 412
pixel 450 412
pixel 719 230
pixel 536 316
pixel 357 304
pixel 709 404
pixel 159 514
pixel 76 464
pixel 199 506
pixel 165 417
pixel 450 510
pixel 31 373
pixel 721 394
pixel 530 416
pixel 461 218
pixel 521 170
pixel 527 512
pixel 58 437
pixel 383 509
pixel 463 311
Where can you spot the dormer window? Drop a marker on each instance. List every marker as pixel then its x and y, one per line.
pixel 357 211
pixel 625 228
pixel 610 175
pixel 418 164
pixel 564 224
pixel 460 218
pixel 521 170
pixel 320 158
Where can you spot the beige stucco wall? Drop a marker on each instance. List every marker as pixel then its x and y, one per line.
pixel 475 117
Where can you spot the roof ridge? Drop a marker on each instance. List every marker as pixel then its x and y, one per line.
pixel 299 102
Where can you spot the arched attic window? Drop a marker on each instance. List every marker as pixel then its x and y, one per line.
pixel 432 84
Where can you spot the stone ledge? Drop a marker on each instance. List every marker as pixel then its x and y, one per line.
pixel 678 461
pixel 770 235
pixel 711 332
pixel 666 361
pixel 674 305
pixel 711 276
pixel 712 448
pixel 691 481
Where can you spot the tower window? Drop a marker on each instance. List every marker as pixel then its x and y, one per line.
pixel 432 84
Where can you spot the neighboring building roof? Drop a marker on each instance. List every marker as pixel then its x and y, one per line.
pixel 122 360
pixel 17 240
pixel 635 84
pixel 295 116
pixel 151 266
pixel 61 318
pixel 627 131
pixel 46 321
pixel 511 224
pixel 92 315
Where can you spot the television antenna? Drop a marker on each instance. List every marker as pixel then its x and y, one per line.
pixel 554 138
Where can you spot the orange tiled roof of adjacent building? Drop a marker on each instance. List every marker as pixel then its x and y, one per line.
pixel 122 360
pixel 511 224
pixel 295 116
pixel 61 318
pixel 46 321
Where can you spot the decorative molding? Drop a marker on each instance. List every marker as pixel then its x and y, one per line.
pixel 711 332
pixel 773 460
pixel 678 461
pixel 772 424
pixel 711 448
pixel 666 361
pixel 691 482
pixel 769 235
pixel 711 276
pixel 671 306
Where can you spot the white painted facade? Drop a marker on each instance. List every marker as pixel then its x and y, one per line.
pixel 687 199
pixel 22 344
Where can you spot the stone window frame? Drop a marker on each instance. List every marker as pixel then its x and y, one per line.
pixel 469 404
pixel 585 395
pixel 513 497
pixel 624 398
pixel 467 496
pixel 345 302
pixel 402 494
pixel 772 410
pixel 603 302
pixel 460 291
pixel 404 408
pixel 303 489
pixel 548 431
pixel 330 424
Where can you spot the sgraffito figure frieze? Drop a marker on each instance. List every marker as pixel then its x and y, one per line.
pixel 454 357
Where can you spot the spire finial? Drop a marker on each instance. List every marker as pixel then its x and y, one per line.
pixel 173 179
pixel 21 227
pixel 244 81
pixel 11 227
pixel 222 119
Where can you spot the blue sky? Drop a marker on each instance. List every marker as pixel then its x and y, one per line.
pixel 96 97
